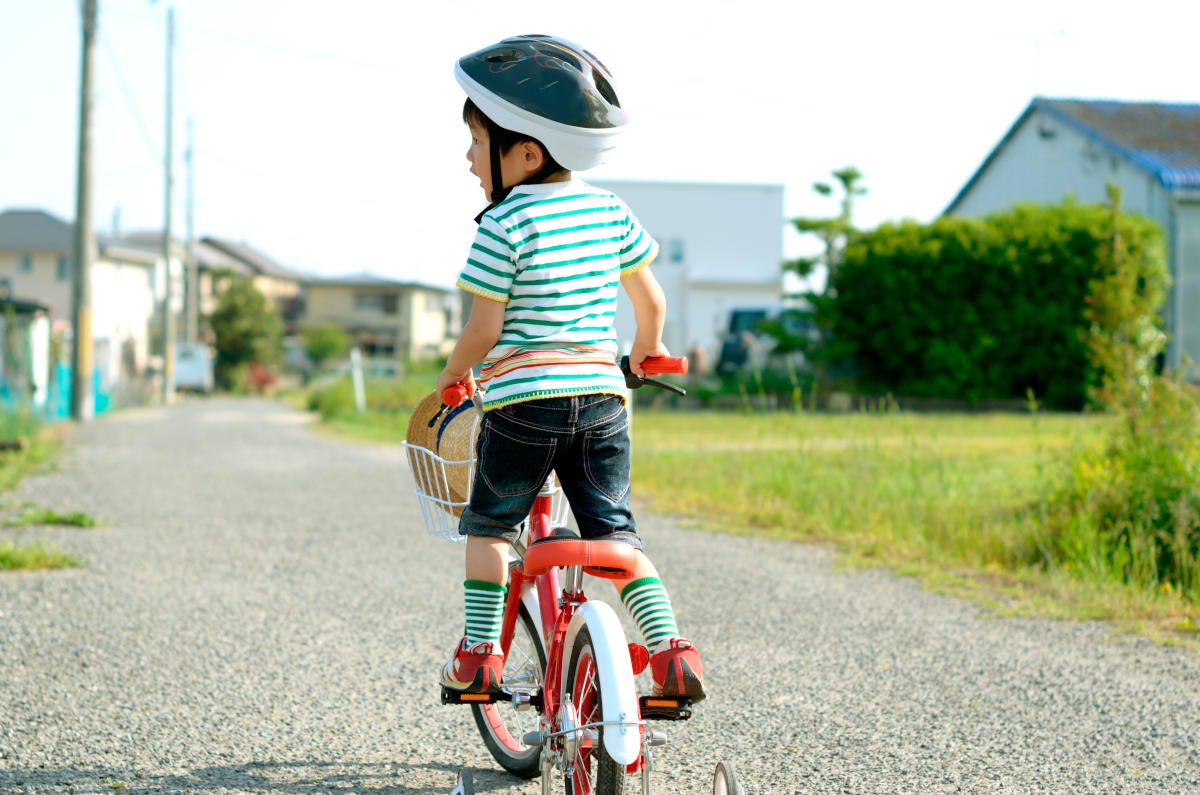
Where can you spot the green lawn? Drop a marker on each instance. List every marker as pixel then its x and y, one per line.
pixel 957 500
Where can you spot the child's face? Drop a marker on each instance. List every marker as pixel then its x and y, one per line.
pixel 513 164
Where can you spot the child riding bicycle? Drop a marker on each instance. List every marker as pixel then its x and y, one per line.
pixel 544 271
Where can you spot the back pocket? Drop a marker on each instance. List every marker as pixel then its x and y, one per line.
pixel 512 464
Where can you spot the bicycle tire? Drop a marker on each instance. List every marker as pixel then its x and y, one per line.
pixel 593 771
pixel 502 726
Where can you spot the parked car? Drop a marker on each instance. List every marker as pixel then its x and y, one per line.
pixel 194 367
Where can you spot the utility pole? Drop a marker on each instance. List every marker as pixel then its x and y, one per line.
pixel 191 295
pixel 168 327
pixel 82 400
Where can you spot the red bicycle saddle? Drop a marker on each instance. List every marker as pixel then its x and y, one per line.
pixel 614 560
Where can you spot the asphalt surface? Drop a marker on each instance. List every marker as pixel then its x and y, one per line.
pixel 263 613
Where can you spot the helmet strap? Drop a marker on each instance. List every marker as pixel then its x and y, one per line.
pixel 499 192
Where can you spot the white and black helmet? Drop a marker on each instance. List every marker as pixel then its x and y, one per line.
pixel 551 90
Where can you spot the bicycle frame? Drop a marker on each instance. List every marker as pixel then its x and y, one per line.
pixel 559 607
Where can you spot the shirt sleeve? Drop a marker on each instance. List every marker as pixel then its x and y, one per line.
pixel 638 249
pixel 491 264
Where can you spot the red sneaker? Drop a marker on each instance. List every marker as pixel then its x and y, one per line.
pixel 677 671
pixel 474 669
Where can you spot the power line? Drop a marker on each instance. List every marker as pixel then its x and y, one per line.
pixel 130 102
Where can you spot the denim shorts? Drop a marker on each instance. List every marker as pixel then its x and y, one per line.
pixel 584 439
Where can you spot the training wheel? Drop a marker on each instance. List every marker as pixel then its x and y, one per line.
pixel 725 781
pixel 464 786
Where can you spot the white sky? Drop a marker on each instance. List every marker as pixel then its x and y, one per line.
pixel 329 135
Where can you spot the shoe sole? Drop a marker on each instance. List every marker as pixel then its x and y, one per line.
pixel 485 681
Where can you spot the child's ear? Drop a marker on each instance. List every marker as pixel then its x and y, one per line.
pixel 534 157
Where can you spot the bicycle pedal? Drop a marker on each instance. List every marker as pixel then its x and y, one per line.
pixel 458 697
pixel 665 708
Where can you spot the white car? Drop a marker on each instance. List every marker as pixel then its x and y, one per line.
pixel 194 367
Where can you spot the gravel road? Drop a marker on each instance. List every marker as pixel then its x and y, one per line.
pixel 263 613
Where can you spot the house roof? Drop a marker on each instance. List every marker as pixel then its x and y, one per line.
pixel 256 260
pixel 35 230
pixel 1163 139
pixel 365 279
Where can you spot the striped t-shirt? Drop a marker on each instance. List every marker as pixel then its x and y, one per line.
pixel 555 254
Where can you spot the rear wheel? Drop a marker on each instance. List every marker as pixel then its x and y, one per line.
pixel 593 771
pixel 502 726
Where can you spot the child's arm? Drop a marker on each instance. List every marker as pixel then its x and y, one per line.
pixel 649 312
pixel 478 337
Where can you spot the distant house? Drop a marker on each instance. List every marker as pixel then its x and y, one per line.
pixel 282 286
pixel 387 319
pixel 721 249
pixel 1152 151
pixel 36 265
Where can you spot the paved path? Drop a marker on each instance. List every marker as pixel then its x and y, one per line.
pixel 263 613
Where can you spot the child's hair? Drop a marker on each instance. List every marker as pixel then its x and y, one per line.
pixel 506 139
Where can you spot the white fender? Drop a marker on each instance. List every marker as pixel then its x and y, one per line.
pixel 617 690
pixel 529 597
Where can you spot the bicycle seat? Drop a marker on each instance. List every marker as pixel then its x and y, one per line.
pixel 613 560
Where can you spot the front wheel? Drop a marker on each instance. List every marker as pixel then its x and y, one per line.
pixel 502 726
pixel 592 771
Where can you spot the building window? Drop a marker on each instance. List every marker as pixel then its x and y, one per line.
pixel 64 268
pixel 25 263
pixel 376 302
pixel 675 250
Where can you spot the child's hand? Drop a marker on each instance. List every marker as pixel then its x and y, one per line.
pixel 639 352
pixel 448 379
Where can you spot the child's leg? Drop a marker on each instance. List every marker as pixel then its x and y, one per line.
pixel 647 600
pixel 484 589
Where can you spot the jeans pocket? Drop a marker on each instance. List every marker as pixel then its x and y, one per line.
pixel 606 459
pixel 512 464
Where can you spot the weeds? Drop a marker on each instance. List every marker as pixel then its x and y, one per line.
pixel 33 556
pixel 48 516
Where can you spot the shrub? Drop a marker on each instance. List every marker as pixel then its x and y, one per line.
pixel 972 309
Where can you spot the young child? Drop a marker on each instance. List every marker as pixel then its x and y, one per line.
pixel 544 270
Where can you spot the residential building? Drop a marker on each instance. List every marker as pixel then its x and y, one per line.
pixel 283 286
pixel 721 249
pixel 387 319
pixel 1061 147
pixel 36 250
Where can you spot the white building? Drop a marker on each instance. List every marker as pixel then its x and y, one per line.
pixel 1072 147
pixel 721 249
pixel 127 284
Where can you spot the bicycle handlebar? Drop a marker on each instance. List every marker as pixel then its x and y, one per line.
pixel 455 394
pixel 660 365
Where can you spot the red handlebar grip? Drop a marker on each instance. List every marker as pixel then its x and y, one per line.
pixel 657 365
pixel 454 395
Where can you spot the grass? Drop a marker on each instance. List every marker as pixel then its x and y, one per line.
pixel 958 501
pixel 36 515
pixel 33 556
pixel 41 447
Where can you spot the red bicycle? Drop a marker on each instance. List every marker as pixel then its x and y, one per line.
pixel 567 700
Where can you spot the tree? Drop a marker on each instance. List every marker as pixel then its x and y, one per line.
pixel 808 330
pixel 325 342
pixel 248 330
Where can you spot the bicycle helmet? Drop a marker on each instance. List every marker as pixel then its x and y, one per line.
pixel 549 89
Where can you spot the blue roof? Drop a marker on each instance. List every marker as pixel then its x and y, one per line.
pixel 1164 139
pixel 1161 138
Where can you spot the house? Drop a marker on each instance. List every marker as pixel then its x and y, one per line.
pixel 282 286
pixel 36 250
pixel 387 319
pixel 1059 147
pixel 720 250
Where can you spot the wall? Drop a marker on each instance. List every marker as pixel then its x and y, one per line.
pixel 721 246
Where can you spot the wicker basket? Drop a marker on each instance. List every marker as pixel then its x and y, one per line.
pixel 440 443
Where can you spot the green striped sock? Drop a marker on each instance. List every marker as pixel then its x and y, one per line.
pixel 485 610
pixel 648 603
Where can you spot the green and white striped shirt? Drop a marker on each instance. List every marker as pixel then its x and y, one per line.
pixel 555 254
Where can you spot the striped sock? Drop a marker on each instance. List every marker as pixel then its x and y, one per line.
pixel 648 603
pixel 485 610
